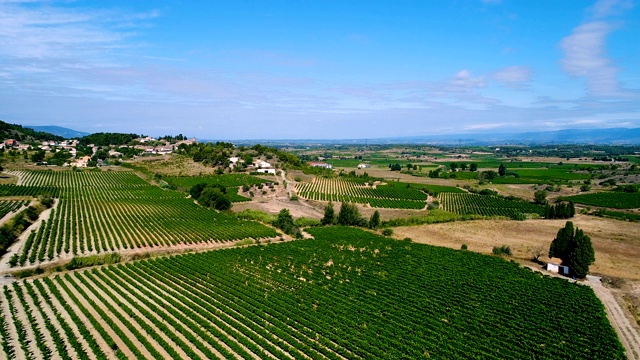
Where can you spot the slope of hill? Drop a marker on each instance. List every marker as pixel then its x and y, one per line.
pixel 60 131
pixel 25 134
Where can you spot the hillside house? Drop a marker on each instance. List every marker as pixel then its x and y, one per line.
pixel 556 268
pixel 11 143
pixel 267 171
pixel 82 162
pixel 168 149
pixel 364 166
pixel 261 164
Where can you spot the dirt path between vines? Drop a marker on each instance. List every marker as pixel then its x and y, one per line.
pixel 16 248
pixel 620 322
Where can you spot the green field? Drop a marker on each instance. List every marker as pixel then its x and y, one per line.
pixel 487 205
pixel 534 176
pixel 610 199
pixel 112 211
pixel 346 294
pixel 9 206
pixel 383 196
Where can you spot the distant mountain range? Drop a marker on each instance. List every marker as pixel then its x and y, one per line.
pixel 611 136
pixel 60 131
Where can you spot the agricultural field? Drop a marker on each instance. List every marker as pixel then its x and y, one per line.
pixel 9 206
pixel 101 211
pixel 226 180
pixel 381 196
pixel 487 205
pixel 610 199
pixel 32 191
pixel 346 294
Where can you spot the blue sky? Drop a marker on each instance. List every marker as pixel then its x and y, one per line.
pixel 320 69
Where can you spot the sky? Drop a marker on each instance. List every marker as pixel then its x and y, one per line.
pixel 324 69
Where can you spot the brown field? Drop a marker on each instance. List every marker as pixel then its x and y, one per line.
pixel 616 243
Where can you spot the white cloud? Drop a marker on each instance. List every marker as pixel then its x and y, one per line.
pixel 463 81
pixel 513 76
pixel 47 32
pixel 605 8
pixel 585 56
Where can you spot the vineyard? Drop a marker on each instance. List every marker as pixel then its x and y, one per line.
pixel 32 191
pixel 9 206
pixel 487 205
pixel 226 180
pixel 610 199
pixel 111 211
pixel 382 196
pixel 348 294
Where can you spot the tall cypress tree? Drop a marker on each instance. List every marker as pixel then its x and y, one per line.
pixel 560 245
pixel 581 254
pixel 502 170
pixel 374 221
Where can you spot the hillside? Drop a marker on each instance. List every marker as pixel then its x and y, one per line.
pixel 25 134
pixel 60 131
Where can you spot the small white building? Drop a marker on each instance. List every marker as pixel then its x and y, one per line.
pixel 261 164
pixel 556 268
pixel 267 171
pixel 321 165
pixel 364 166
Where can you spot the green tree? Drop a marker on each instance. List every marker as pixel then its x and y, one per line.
pixel 574 248
pixel 473 167
pixel 213 197
pixel 374 220
pixel 560 245
pixel 502 170
pixel 581 254
pixel 37 156
pixel 540 197
pixel 284 222
pixel 196 190
pixel 453 166
pixel 329 214
pixel 349 215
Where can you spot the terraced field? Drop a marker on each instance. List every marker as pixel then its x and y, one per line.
pixel 348 294
pixel 112 211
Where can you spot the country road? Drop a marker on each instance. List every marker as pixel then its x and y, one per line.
pixel 628 335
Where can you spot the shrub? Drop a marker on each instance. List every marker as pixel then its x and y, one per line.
pixel 463 247
pixel 387 232
pixel 502 250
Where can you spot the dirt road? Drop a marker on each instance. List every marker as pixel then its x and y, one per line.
pixel 627 334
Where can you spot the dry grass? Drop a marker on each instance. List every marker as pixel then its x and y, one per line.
pixel 616 243
pixel 173 165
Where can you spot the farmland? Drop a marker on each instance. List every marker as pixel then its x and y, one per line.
pixel 113 211
pixel 332 297
pixel 611 199
pixel 226 180
pixel 9 206
pixel 339 293
pixel 382 196
pixel 487 205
